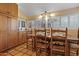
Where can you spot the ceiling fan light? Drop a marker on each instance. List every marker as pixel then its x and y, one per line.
pixel 52 14
pixel 46 17
pixel 40 16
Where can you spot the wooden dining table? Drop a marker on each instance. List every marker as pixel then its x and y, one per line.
pixel 68 41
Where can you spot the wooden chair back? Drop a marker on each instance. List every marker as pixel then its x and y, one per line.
pixel 58 42
pixel 41 42
pixel 59 33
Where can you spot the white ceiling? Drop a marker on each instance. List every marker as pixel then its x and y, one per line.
pixel 31 9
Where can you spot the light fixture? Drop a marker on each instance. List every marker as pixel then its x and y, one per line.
pixel 46 16
pixel 40 17
pixel 52 14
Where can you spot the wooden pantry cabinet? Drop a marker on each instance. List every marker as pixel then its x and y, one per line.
pixel 10 35
pixel 8 26
pixel 12 32
pixel 3 32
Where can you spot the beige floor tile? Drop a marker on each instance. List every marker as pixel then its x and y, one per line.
pixel 29 47
pixel 16 48
pixel 19 54
pixel 8 54
pixel 3 54
pixel 9 51
pixel 30 52
pixel 34 54
pixel 20 49
pixel 24 46
pixel 25 55
pixel 24 51
pixel 13 53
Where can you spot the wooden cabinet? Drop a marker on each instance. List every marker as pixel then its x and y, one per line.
pixel 8 26
pixel 12 32
pixel 3 32
pixel 22 37
pixel 4 7
pixel 10 8
pixel 8 32
pixel 10 36
pixel 13 9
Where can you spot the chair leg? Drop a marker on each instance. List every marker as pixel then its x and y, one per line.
pixel 37 51
pixel 32 45
pixel 77 53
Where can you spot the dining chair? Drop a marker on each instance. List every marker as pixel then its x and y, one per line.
pixel 58 42
pixel 30 38
pixel 41 42
pixel 75 45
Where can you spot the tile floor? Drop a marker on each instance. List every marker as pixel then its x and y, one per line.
pixel 18 51
pixel 22 51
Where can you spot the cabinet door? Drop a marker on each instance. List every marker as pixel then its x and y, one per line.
pixel 13 32
pixel 20 37
pixel 4 7
pixel 3 32
pixel 0 33
pixel 13 9
pixel 24 36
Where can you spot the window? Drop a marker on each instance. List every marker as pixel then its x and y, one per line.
pixel 64 21
pixel 70 21
pixel 74 21
pixel 22 24
pixel 56 21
